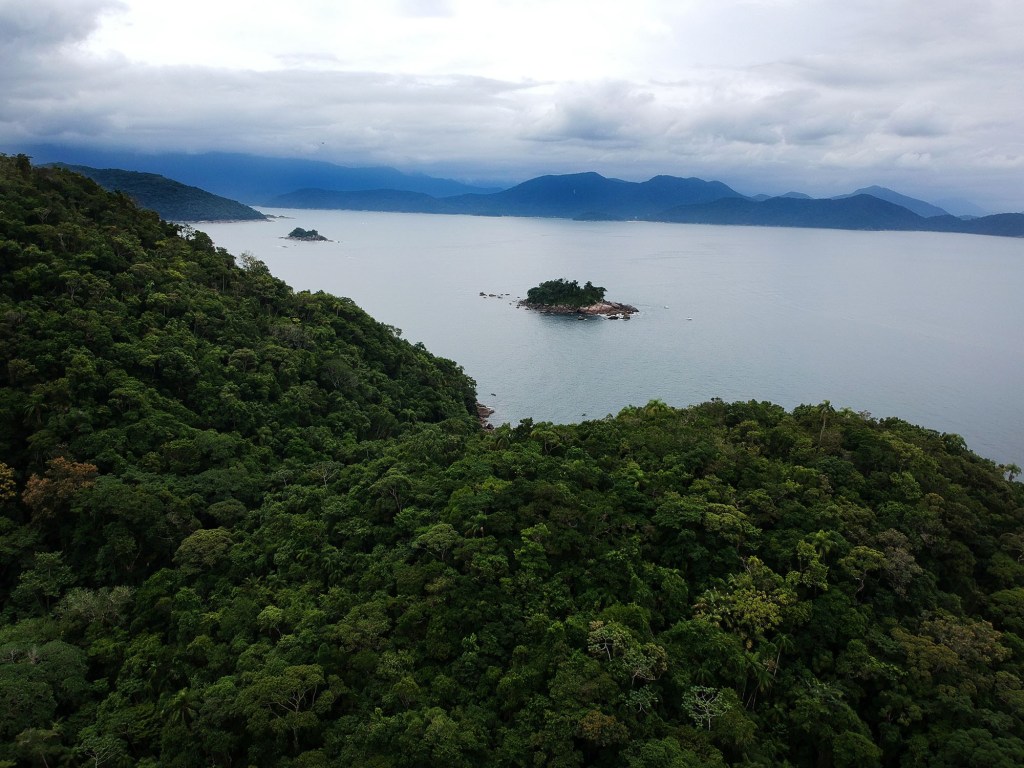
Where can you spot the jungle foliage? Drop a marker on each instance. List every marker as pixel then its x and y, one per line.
pixel 566 293
pixel 173 200
pixel 305 234
pixel 247 526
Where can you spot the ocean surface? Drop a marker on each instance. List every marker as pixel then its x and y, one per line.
pixel 928 327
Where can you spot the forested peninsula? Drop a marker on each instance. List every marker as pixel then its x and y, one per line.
pixel 243 525
pixel 171 199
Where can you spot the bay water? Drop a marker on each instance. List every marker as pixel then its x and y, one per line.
pixel 928 327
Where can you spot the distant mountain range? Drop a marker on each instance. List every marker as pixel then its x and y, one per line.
pixel 579 195
pixel 251 178
pixel 591 196
pixel 920 207
pixel 173 200
pixel 857 212
pixel 289 183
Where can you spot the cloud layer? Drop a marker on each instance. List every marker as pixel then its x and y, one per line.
pixel 767 95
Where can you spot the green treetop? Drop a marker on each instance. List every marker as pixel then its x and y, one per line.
pixel 565 292
pixel 305 234
pixel 245 525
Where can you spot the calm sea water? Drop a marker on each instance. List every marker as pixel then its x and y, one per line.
pixel 924 326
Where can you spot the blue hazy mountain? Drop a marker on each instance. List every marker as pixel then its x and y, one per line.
pixel 962 208
pixel 313 184
pixel 252 178
pixel 999 224
pixel 857 212
pixel 173 200
pixel 797 195
pixel 591 195
pixel 663 198
pixel 390 200
pixel 920 207
pixel 577 195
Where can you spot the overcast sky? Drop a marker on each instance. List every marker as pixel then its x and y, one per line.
pixel 821 96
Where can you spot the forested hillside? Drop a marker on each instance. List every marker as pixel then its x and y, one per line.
pixel 243 526
pixel 173 200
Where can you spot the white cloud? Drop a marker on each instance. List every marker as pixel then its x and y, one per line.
pixel 767 95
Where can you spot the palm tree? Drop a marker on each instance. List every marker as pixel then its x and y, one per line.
pixel 763 674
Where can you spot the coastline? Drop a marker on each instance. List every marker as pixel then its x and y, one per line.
pixel 482 414
pixel 609 309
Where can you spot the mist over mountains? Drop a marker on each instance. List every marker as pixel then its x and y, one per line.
pixel 920 207
pixel 253 179
pixel 306 184
pixel 578 195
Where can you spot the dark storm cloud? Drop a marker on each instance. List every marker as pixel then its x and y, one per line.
pixel 31 25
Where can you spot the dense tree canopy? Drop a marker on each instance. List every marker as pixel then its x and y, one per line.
pixel 246 526
pixel 567 293
pixel 305 234
pixel 173 200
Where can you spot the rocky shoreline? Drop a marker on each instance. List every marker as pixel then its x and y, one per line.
pixel 482 413
pixel 613 310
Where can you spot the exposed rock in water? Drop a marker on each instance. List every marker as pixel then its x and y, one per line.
pixel 482 412
pixel 611 309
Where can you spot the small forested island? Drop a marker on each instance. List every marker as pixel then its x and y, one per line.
pixel 306 234
pixel 242 525
pixel 567 297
